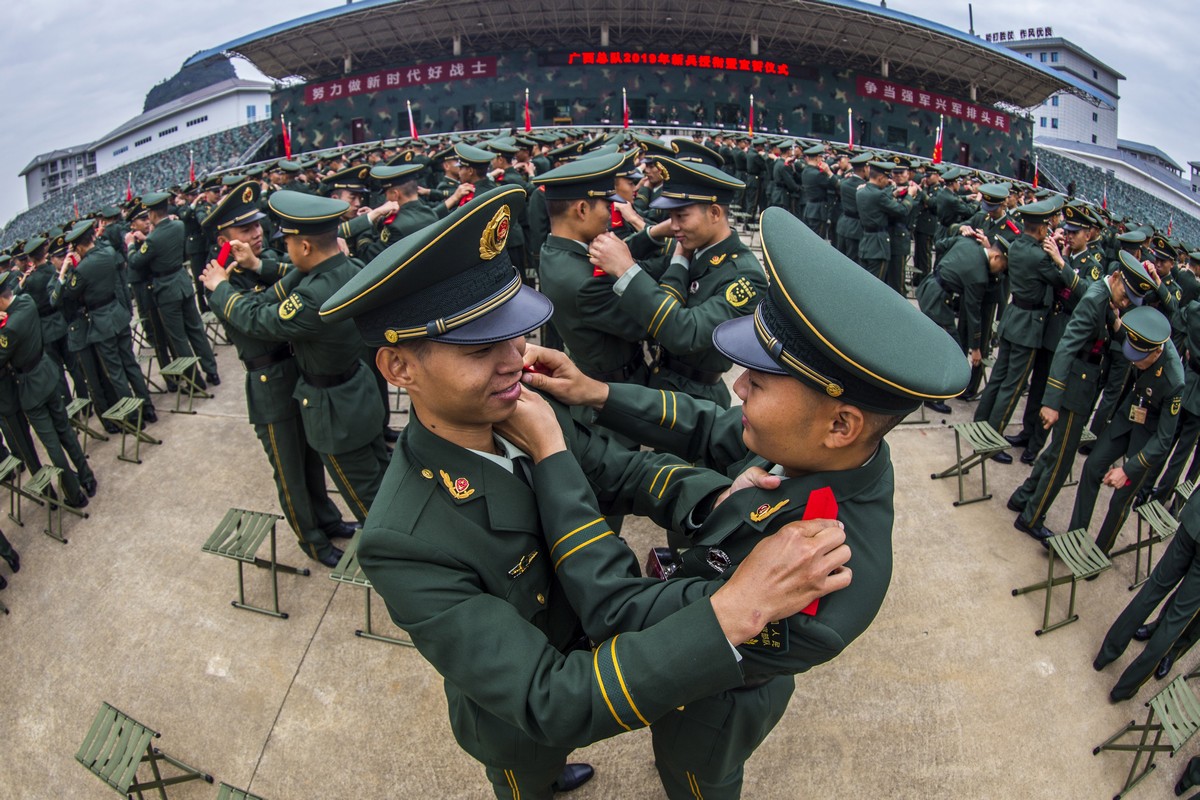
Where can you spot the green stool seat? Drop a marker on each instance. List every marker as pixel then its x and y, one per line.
pixel 227 792
pixel 984 441
pixel 183 371
pixel 348 571
pixel 120 415
pixel 1084 560
pixel 46 487
pixel 1183 490
pixel 79 411
pixel 1174 711
pixel 238 536
pixel 1155 525
pixel 115 747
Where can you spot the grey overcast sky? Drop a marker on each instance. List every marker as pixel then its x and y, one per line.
pixel 72 70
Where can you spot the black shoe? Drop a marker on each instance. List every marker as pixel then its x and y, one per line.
pixel 332 558
pixel 1020 440
pixel 969 396
pixel 78 502
pixel 1002 458
pixel 3 583
pixel 1085 449
pixel 1183 784
pixel 89 486
pixel 345 530
pixel 1164 667
pixel 1013 507
pixel 938 406
pixel 14 561
pixel 1143 633
pixel 213 378
pixel 111 427
pixel 1117 697
pixel 391 435
pixel 149 415
pixel 572 777
pixel 172 387
pixel 1028 456
pixel 1041 533
pixel 1099 665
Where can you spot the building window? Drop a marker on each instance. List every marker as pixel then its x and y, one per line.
pixel 1054 101
pixel 1042 57
pixel 1029 56
pixel 502 113
pixel 1095 75
pixel 141 142
pixel 1054 122
pixel 251 113
pixel 197 120
pixel 1093 138
pixel 897 138
pixel 1095 117
pixel 120 150
pixel 168 131
pixel 823 123
pixel 1054 57
pixel 1042 122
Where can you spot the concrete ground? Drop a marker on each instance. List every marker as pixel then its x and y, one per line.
pixel 948 695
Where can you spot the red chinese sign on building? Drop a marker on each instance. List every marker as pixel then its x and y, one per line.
pixel 400 78
pixel 889 92
pixel 723 63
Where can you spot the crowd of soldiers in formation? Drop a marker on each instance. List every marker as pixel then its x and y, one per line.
pixel 974 251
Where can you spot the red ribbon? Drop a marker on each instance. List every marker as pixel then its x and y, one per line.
pixel 821 505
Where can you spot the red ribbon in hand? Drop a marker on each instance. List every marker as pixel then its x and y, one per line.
pixel 821 505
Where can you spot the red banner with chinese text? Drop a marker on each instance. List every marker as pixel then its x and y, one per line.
pixel 892 92
pixel 399 78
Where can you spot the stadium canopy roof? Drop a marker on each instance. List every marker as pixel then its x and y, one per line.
pixel 855 35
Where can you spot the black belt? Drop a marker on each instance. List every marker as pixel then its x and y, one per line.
pixel 1025 305
pixel 154 275
pixel 867 229
pixel 328 381
pixel 23 371
pixel 276 356
pixel 621 373
pixel 850 214
pixel 691 373
pixel 100 305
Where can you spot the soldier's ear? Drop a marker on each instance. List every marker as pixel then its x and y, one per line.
pixel 848 423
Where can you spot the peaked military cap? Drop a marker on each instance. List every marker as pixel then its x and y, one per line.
pixel 8 279
pixel 629 168
pixel 881 166
pixel 58 244
pixel 809 326
pixel 686 183
pixel 502 147
pixel 351 179
pixel 232 179
pixel 953 174
pixel 696 153
pixel 994 193
pixel 567 152
pixel 155 201
pixel 1145 331
pixel 1137 278
pixel 1076 218
pixel 5 258
pixel 1133 237
pixel 862 159
pixel 109 212
pixel 652 145
pixel 450 282
pixel 287 165
pixel 899 163
pixel 387 177
pixel 1163 250
pixel 79 229
pixel 1040 211
pixel 302 214
pixel 815 150
pixel 473 156
pixel 33 244
pixel 211 184
pixel 588 177
pixel 239 207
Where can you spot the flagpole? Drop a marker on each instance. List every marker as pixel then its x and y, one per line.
pixel 624 109
pixel 750 128
pixel 528 125
pixel 850 126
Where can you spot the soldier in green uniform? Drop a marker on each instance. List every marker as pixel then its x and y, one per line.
pixel 1130 242
pixel 449 314
pixel 1141 430
pixel 505 174
pixel 877 206
pixel 849 227
pixel 926 224
pixel 473 166
pixel 339 402
pixel 712 277
pixel 1033 274
pixel 160 259
pixel 900 244
pixel 951 207
pixel 815 180
pixel 271 376
pixel 149 318
pixel 36 284
pixel 193 247
pixel 756 176
pixel 38 379
pixel 1081 360
pixel 96 318
pixel 819 393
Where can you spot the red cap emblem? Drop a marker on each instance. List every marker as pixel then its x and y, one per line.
pixel 461 485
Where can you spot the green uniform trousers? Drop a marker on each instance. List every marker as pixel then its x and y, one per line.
pixel 1003 390
pixel 49 421
pixel 1185 445
pixel 1037 494
pixel 185 331
pixel 15 428
pixel 300 481
pixel 1117 374
pixel 1178 566
pixel 1107 449
pixel 529 782
pixel 1031 420
pixel 877 267
pixel 119 365
pixel 6 549
pixel 152 325
pixel 898 263
pixel 358 474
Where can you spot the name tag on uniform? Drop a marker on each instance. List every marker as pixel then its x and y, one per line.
pixel 1137 415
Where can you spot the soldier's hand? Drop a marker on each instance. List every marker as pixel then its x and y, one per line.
pixel 213 275
pixel 783 574
pixel 384 210
pixel 752 478
pixel 976 357
pixel 1049 417
pixel 966 230
pixel 551 371
pixel 1116 478
pixel 1153 270
pixel 533 427
pixel 610 254
pixel 422 191
pixel 243 254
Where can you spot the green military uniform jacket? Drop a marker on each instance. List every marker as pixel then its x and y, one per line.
pixel 359 233
pixel 337 418
pixel 698 430
pixel 1187 322
pixel 36 374
pixel 681 310
pixel 1082 356
pixel 815 184
pixel 93 311
pixel 641 204
pixel 849 226
pixel 1032 276
pixel 468 559
pixel 950 209
pixel 1066 298
pixel 410 218
pixel 1159 390
pixel 876 207
pixel 784 186
pixel 37 286
pixel 194 245
pixel 604 340
pixel 159 260
pixel 958 289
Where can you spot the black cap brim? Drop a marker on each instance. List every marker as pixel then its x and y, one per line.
pixel 736 340
pixel 671 202
pixel 527 311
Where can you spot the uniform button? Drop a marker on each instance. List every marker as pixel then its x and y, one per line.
pixel 541 598
pixel 262 378
pixel 305 401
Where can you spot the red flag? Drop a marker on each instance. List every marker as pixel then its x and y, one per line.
pixel 1170 223
pixel 624 109
pixel 1035 171
pixel 287 137
pixel 412 126
pixel 821 505
pixel 1104 201
pixel 850 127
pixel 937 143
pixel 129 188
pixel 191 166
pixel 528 120
pixel 75 202
pixel 750 130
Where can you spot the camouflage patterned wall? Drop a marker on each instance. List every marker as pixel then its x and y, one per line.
pixel 811 101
